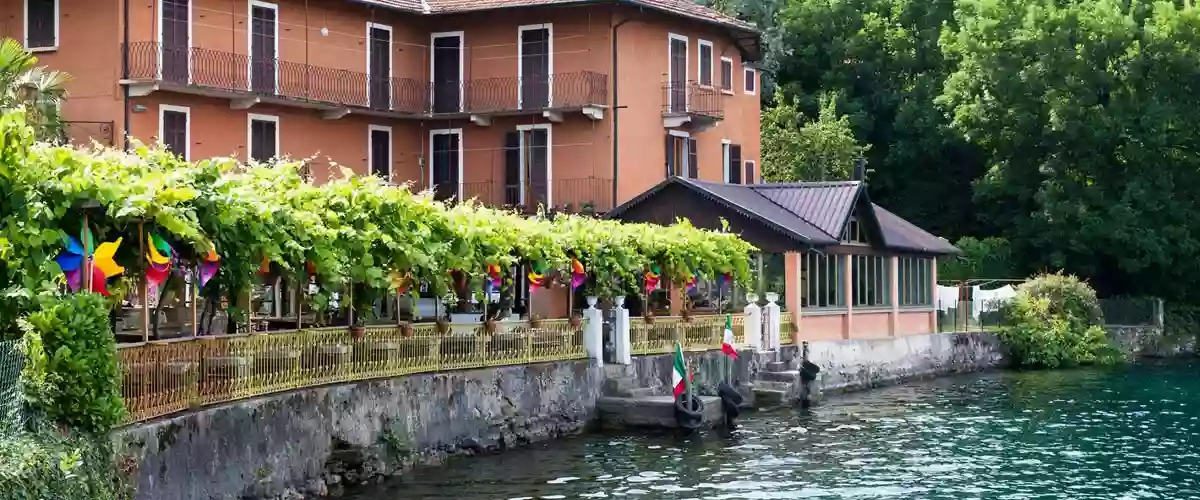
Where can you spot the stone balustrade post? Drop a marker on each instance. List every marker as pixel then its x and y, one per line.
pixel 754 322
pixel 621 340
pixel 771 323
pixel 593 332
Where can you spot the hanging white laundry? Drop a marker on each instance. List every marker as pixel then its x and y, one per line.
pixel 947 297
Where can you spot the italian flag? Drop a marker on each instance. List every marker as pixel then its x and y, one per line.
pixel 680 371
pixel 727 344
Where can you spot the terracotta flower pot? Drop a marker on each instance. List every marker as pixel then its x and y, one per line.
pixel 357 332
pixel 443 327
pixel 576 320
pixel 406 329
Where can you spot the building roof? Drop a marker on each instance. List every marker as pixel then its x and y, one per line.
pixel 683 8
pixel 811 212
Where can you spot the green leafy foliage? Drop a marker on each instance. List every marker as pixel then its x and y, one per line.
pixel 796 149
pixel 981 258
pixel 353 230
pixel 48 466
pixel 71 376
pixel 32 88
pixel 1053 322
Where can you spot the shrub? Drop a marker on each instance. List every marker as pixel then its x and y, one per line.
pixel 1054 321
pixel 49 466
pixel 70 376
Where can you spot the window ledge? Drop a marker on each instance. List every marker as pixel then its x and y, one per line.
pixel 52 48
pixel 821 311
pixel 922 308
pixel 873 309
pixel 727 91
pixel 705 87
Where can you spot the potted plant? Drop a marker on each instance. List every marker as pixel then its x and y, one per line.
pixel 535 321
pixel 576 320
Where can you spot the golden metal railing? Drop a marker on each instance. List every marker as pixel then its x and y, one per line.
pixel 787 327
pixel 697 333
pixel 159 378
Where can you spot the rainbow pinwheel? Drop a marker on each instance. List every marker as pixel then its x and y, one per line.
pixel 693 278
pixel 724 279
pixel 161 257
pixel 653 275
pixel 102 262
pixel 578 274
pixel 537 276
pixel 493 281
pixel 209 266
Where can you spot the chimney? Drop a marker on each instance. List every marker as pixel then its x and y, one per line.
pixel 860 170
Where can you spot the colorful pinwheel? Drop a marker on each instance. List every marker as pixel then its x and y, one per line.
pixel 578 274
pixel 103 265
pixel 537 276
pixel 493 281
pixel 693 278
pixel 209 266
pixel 161 257
pixel 653 275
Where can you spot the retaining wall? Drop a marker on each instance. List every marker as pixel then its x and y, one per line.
pixel 314 440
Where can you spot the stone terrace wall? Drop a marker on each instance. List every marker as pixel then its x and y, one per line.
pixel 317 439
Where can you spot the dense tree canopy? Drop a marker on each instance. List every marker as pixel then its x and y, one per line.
pixel 1068 127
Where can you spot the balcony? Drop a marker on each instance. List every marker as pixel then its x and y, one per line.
pixel 691 105
pixel 587 195
pixel 87 133
pixel 247 81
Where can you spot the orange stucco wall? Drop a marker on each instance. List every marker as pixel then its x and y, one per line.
pixel 821 326
pixel 89 50
pixel 871 324
pixel 914 322
pixel 643 45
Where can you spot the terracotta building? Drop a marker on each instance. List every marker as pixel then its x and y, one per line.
pixel 576 105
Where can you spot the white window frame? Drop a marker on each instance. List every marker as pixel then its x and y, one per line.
pixel 549 27
pixel 249 41
pixel 726 152
pixel 753 80
pixel 461 147
pixel 371 129
pixel 683 163
pixel 191 38
pixel 462 49
pixel 255 117
pixel 712 70
pixel 391 58
pixel 549 160
pixel 57 25
pixel 729 60
pixel 754 168
pixel 187 128
pixel 686 70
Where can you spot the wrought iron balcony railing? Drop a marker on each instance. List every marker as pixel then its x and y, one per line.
pixel 587 195
pixel 84 133
pixel 240 73
pixel 691 98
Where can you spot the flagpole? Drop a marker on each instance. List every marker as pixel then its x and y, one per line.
pixel 687 382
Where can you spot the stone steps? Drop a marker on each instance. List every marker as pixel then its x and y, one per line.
pixel 790 376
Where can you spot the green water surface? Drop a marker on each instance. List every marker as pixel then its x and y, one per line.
pixel 1125 433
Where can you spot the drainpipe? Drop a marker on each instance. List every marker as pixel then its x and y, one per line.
pixel 125 71
pixel 616 110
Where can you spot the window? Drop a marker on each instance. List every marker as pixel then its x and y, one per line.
pixel 175 129
pixel 535 65
pixel 705 65
pixel 749 177
pixel 727 74
pixel 379 65
pixel 41 24
pixel 264 47
pixel 528 167
pixel 175 31
pixel 822 279
pixel 379 151
pixel 677 73
pixel 445 163
pixel 446 72
pixel 751 77
pixel 263 137
pixel 915 276
pixel 682 158
pixel 854 232
pixel 732 158
pixel 871 279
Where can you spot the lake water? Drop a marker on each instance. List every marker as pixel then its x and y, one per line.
pixel 1126 433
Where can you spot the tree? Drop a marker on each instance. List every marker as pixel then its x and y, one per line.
pixel 1090 121
pixel 38 90
pixel 819 150
pixel 883 57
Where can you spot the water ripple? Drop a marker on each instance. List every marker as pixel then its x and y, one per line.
pixel 1089 434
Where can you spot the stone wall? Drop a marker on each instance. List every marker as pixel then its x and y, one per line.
pixel 318 439
pixel 858 364
pixel 1150 341
pixel 314 439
